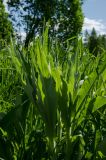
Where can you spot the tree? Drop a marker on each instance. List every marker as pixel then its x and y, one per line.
pixel 102 40
pixel 65 16
pixel 86 38
pixel 6 29
pixel 93 43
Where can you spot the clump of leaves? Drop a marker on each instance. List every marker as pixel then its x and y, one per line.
pixel 58 104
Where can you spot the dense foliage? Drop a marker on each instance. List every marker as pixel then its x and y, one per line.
pixel 59 113
pixel 52 94
pixel 6 29
pixel 65 16
pixel 94 42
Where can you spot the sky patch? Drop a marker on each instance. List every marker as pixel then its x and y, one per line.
pixel 99 25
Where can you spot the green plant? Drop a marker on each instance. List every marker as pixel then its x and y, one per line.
pixel 62 104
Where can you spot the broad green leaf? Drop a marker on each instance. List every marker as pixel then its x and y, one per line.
pixel 97 138
pixel 100 154
pixel 85 90
pixel 88 155
pixel 63 102
pixel 48 104
pixel 99 102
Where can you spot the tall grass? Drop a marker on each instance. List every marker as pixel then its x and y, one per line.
pixel 60 113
